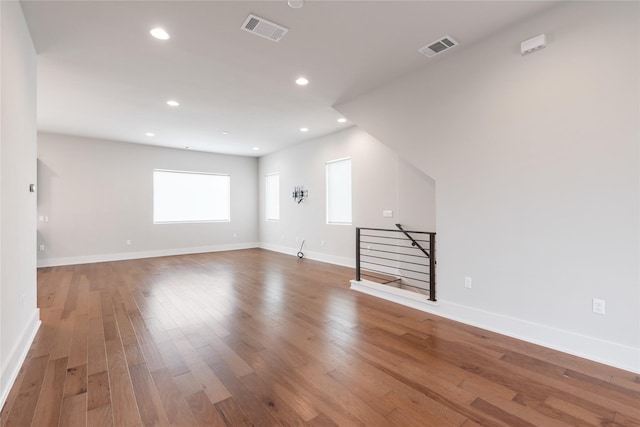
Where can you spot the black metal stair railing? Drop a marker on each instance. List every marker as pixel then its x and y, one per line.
pixel 398 257
pixel 414 242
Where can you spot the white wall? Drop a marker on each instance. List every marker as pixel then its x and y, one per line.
pixel 19 317
pixel 536 162
pixel 416 196
pixel 376 174
pixel 98 194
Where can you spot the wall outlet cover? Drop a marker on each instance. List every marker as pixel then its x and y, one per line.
pixel 467 282
pixel 598 306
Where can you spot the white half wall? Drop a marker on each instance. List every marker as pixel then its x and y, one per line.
pixel 19 317
pixel 536 160
pixel 96 194
pixel 379 182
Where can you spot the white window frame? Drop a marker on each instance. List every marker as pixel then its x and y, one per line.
pixel 267 198
pixel 227 211
pixel 329 196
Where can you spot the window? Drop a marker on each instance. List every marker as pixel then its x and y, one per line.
pixel 272 196
pixel 190 197
pixel 339 191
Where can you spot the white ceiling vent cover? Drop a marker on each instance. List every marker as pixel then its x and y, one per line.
pixel 263 28
pixel 438 46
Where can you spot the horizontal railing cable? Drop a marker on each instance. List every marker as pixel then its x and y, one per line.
pixel 404 262
pixel 394 238
pixel 397 253
pixel 390 244
pixel 385 265
pixel 406 277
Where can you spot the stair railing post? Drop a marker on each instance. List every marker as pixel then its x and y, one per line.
pixel 357 254
pixel 432 266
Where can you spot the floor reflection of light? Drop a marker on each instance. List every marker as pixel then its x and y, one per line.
pixel 184 299
pixel 342 311
pixel 273 291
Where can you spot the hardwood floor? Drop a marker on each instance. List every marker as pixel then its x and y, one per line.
pixel 258 338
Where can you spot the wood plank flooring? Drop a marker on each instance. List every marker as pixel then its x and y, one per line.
pixel 256 338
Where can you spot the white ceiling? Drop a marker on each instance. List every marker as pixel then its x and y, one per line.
pixel 100 73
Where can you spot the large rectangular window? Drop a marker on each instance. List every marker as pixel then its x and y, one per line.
pixel 272 196
pixel 339 191
pixel 190 197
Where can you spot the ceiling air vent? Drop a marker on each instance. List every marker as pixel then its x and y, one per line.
pixel 263 28
pixel 439 46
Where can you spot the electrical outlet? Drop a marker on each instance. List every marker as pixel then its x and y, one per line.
pixel 128 242
pixel 598 306
pixel 467 282
pixel 42 247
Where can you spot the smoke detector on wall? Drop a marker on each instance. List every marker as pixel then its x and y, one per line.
pixel 438 46
pixel 263 28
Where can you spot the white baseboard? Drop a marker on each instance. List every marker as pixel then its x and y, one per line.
pixel 11 367
pixel 316 256
pixel 607 352
pixel 53 262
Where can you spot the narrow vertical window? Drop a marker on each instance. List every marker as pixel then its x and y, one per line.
pixel 272 196
pixel 339 191
pixel 190 197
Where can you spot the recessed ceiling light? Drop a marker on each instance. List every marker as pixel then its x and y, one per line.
pixel 302 81
pixel 304 130
pixel 342 120
pixel 255 148
pixel 295 4
pixel 160 34
pixel 173 103
pixel 150 134
pixel 225 132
